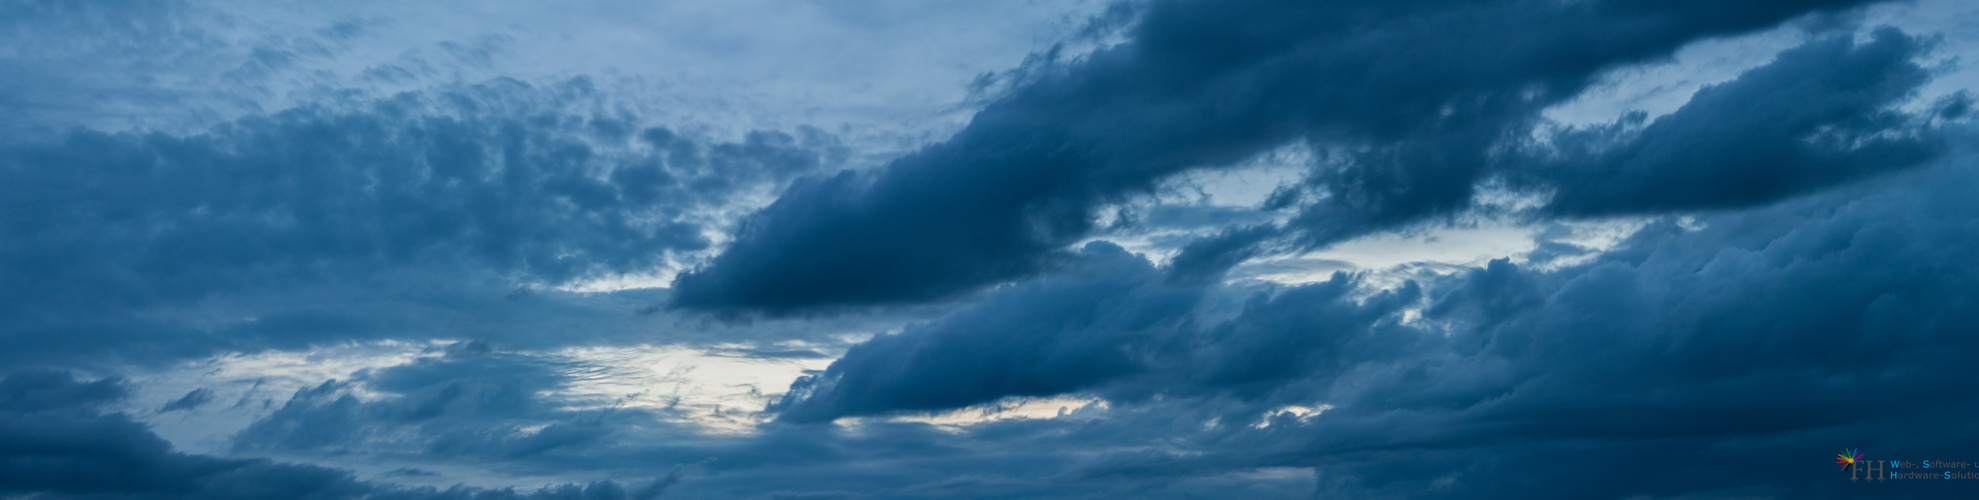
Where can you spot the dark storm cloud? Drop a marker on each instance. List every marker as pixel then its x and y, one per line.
pixel 492 183
pixel 1818 115
pixel 1210 257
pixel 1415 94
pixel 1722 359
pixel 60 444
pixel 1106 317
pixel 1819 297
pixel 1683 362
pixel 1774 333
pixel 1038 338
pixel 40 390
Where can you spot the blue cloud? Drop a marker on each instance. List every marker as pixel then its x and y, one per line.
pixel 487 183
pixel 60 445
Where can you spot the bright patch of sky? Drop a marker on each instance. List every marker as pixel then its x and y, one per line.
pixel 1007 409
pixel 719 389
pixel 722 389
pixel 245 387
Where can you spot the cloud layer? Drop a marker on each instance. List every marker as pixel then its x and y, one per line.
pixel 252 253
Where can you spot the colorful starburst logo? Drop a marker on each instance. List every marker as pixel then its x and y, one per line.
pixel 1847 458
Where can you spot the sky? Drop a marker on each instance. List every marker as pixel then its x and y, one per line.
pixel 823 249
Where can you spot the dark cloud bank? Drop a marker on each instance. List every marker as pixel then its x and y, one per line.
pixel 1412 97
pixel 1684 362
pixel 1804 286
pixel 1727 360
pixel 1719 360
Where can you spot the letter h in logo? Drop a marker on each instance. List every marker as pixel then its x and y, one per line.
pixel 1866 469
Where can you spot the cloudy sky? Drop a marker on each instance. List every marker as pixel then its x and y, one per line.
pixel 822 249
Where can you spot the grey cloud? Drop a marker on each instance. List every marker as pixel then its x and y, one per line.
pixel 467 405
pixel 1819 115
pixel 191 401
